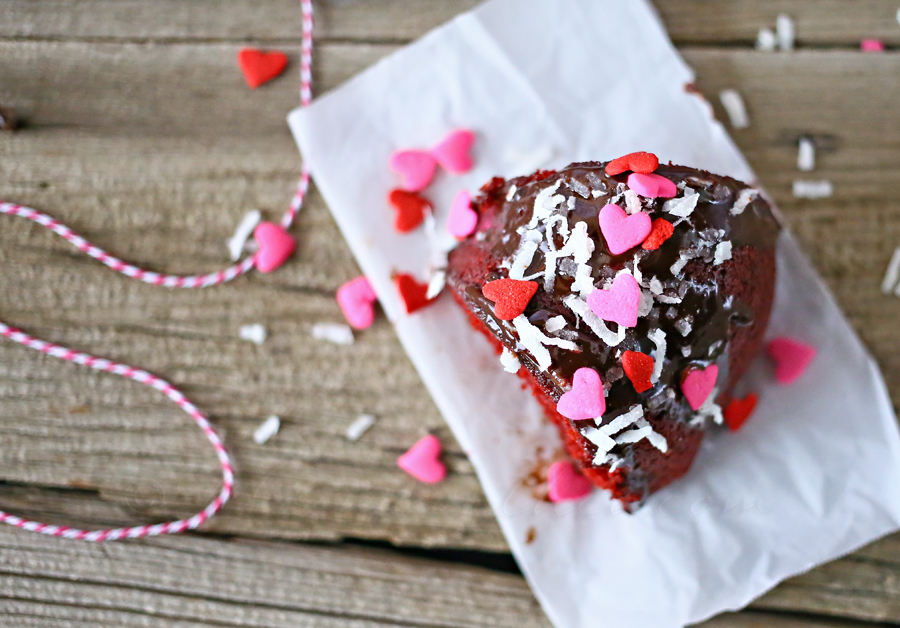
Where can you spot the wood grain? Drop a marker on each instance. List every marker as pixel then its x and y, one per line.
pixel 142 135
pixel 713 22
pixel 194 582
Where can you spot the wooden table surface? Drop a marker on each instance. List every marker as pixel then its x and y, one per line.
pixel 142 136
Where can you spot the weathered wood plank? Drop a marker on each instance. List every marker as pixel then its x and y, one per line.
pixel 821 23
pixel 163 176
pixel 196 582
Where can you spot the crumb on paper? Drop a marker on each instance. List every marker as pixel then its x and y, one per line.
pixel 806 154
pixel 255 333
pixel 338 333
pixel 530 535
pixel 735 108
pixel 813 189
pixel 892 274
pixel 766 40
pixel 9 121
pixel 359 427
pixel 786 31
pixel 242 234
pixel 267 430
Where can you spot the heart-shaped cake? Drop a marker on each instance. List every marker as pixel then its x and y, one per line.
pixel 704 288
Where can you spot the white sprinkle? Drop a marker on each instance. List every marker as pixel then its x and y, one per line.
pixel 723 252
pixel 255 333
pixel 338 333
pixel 785 29
pixel 523 258
pixel 684 206
pixel 511 192
pixel 580 307
pixel 735 108
pixel 359 427
pixel 632 202
pixel 766 40
pixel 436 284
pixel 813 189
pixel 892 274
pixel 600 438
pixel 510 361
pixel 806 155
pixel 557 322
pixel 746 197
pixel 658 337
pixel 623 420
pixel 267 430
pixel 242 233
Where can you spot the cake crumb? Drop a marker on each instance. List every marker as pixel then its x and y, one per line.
pixel 530 535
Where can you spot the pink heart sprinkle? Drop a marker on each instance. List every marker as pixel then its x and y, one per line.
pixel 620 303
pixel 585 400
pixel 452 152
pixel 423 461
pixel 621 231
pixel 275 246
pixel 357 301
pixel 871 45
pixel 462 219
pixel 652 185
pixel 791 358
pixel 698 384
pixel 566 483
pixel 415 167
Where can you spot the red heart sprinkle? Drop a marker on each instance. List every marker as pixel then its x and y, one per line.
pixel 644 163
pixel 510 296
pixel 411 209
pixel 412 292
pixel 260 67
pixel 638 367
pixel 660 231
pixel 739 410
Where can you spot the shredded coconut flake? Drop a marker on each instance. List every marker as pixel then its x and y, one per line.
pixel 806 154
pixel 633 436
pixel 338 333
pixel 746 197
pixel 533 339
pixel 436 284
pixel 579 188
pixel 510 193
pixel 784 27
pixel 734 106
pixel 632 202
pixel 549 271
pixel 579 244
pixel 544 203
pixel 254 333
pixel 623 420
pixel 646 304
pixel 242 233
pixel 510 361
pixel 580 307
pixel 555 324
pixel 602 440
pixel 658 337
pixel 683 325
pixel 523 259
pixel 710 409
pixel 892 275
pixel 723 252
pixel 684 206
pixel 656 286
pixel 359 427
pixel 584 283
pixel 766 40
pixel 267 430
pixel 813 189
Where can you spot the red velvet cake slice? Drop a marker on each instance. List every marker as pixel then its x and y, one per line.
pixel 659 279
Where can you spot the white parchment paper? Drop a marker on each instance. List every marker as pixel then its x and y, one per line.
pixel 813 475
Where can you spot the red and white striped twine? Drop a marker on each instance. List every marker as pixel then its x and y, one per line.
pixel 141 376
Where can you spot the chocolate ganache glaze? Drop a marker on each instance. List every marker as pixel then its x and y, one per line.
pixel 706 295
